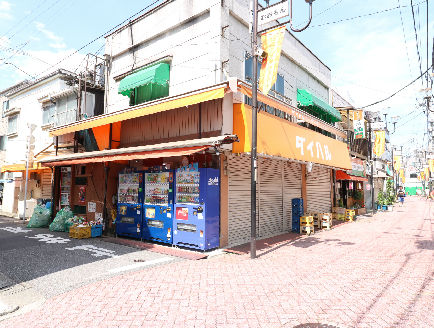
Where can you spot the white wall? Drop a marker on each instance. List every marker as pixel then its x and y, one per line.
pixel 31 112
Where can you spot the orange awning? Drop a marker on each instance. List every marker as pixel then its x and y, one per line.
pixel 129 157
pixel 279 137
pixel 169 149
pixel 22 167
pixel 341 175
pixel 148 108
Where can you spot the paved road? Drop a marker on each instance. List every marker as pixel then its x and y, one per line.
pixel 376 272
pixel 44 264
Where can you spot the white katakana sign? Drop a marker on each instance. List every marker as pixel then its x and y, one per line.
pixel 50 239
pixel 15 230
pixel 95 250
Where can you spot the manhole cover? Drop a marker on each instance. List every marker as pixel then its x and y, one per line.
pixel 5 282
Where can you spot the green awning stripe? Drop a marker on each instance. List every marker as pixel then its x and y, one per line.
pixel 307 99
pixel 157 74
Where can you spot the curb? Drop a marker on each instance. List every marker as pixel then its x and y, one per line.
pixel 9 309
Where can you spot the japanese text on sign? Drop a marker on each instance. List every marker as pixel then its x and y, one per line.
pixel 272 13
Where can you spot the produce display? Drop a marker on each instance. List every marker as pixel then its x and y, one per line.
pixel 40 217
pixel 59 221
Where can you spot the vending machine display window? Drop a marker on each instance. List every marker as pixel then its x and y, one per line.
pixel 65 186
pixel 157 188
pixel 129 187
pixel 187 187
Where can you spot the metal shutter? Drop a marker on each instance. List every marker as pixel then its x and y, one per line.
pixel 46 184
pixel 318 186
pixel 239 200
pixel 291 189
pixel 270 197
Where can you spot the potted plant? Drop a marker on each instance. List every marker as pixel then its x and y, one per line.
pixel 381 201
pixel 390 195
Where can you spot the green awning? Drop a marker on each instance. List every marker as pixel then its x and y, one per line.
pixel 157 74
pixel 307 99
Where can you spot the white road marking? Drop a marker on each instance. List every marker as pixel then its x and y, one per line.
pixel 15 230
pixel 50 239
pixel 141 264
pixel 95 250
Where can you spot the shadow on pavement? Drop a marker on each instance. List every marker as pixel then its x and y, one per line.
pixel 313 325
pixel 425 244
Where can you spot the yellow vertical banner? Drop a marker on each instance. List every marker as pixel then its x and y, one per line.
pixel 397 162
pixel 272 45
pixel 403 180
pixel 422 175
pixel 380 142
pixel 431 165
pixel 401 174
pixel 426 173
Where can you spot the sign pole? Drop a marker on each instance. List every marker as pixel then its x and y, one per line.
pixel 25 185
pixel 254 161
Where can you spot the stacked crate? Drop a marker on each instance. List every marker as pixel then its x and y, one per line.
pixel 297 212
pixel 338 213
pixel 326 221
pixel 306 225
pixel 349 215
pixel 317 219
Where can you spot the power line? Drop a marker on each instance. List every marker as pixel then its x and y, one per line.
pixel 415 32
pixel 102 35
pixel 25 17
pixel 6 63
pixel 377 102
pixel 374 13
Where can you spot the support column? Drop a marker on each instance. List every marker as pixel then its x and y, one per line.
pixel 224 202
pixel 304 187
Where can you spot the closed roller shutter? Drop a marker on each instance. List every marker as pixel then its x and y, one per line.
pixel 46 184
pixel 270 197
pixel 291 189
pixel 239 200
pixel 318 188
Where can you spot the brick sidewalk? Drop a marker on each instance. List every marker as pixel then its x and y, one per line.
pixel 376 272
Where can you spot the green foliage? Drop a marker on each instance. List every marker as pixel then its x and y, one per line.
pixel 381 199
pixel 390 193
pixel 340 203
pixel 357 194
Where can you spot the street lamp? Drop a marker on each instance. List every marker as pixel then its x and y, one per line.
pixel 254 165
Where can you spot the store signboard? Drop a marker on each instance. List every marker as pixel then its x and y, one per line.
pixel 378 126
pixel 272 13
pixel 358 167
pixel 359 124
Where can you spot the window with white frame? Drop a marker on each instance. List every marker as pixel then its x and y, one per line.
pixel 66 110
pixel 5 107
pixel 48 114
pixel 13 124
pixel 3 142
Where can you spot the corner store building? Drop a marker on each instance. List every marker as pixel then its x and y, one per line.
pixel 204 43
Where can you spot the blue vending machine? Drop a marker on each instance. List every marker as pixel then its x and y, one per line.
pixel 130 203
pixel 197 208
pixel 158 205
pixel 297 212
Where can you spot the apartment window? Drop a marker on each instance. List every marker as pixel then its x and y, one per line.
pixel 277 90
pixel 5 107
pixel 147 84
pixel 3 142
pixel 413 175
pixel 48 114
pixel 13 124
pixel 66 110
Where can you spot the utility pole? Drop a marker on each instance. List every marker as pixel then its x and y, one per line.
pixel 29 161
pixel 254 160
pixel 393 169
pixel 372 167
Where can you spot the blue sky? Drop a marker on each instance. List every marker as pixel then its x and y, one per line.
pixel 367 56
